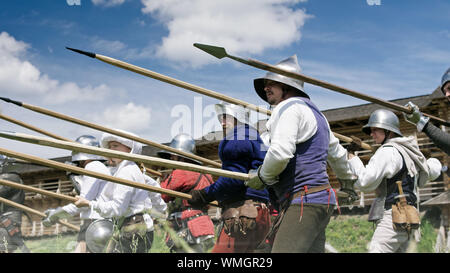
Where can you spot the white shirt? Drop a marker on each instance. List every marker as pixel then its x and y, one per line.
pixel 293 122
pixel 117 200
pixel 90 188
pixel 385 163
pixel 157 202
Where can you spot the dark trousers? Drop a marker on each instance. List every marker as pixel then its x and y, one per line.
pixel 135 243
pixel 307 235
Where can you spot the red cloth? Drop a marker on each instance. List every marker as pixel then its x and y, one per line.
pixel 248 243
pixel 189 213
pixel 201 226
pixel 183 181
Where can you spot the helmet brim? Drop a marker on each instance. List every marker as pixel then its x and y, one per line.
pixel 259 88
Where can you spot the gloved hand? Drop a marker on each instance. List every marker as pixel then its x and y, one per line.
pixel 53 215
pixel 199 199
pixel 416 117
pixel 256 182
pixel 347 195
pixel 49 220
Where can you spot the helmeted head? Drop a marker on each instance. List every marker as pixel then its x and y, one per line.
pixel 383 119
pixel 445 84
pixel 13 177
pixel 184 143
pixel 90 141
pixel 239 112
pixel 290 64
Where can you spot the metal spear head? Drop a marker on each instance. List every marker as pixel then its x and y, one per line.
pixel 89 54
pixel 218 52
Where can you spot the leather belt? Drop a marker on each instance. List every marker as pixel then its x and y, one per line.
pixel 306 190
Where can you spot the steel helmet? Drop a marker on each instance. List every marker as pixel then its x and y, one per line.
pixel 90 141
pixel 182 142
pixel 290 64
pixel 383 119
pixel 445 79
pixel 13 177
pixel 98 235
pixel 240 113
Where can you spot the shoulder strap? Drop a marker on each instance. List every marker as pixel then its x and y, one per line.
pixel 196 183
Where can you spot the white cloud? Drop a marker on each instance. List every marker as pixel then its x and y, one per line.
pixel 19 76
pixel 241 26
pixel 108 3
pixel 107 45
pixel 130 117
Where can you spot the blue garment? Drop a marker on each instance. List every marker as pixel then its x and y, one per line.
pixel 240 151
pixel 308 167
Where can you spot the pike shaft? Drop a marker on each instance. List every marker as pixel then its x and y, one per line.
pixel 30 210
pixel 118 133
pixel 197 89
pixel 37 190
pixel 66 167
pixel 31 127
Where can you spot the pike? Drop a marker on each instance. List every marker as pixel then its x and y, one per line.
pixel 37 190
pixel 220 52
pixel 109 130
pixel 70 168
pixel 36 129
pixel 185 85
pixel 78 147
pixel 30 210
pixel 31 127
pixel 110 153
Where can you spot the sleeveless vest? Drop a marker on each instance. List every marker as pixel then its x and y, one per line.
pixel 407 186
pixel 308 167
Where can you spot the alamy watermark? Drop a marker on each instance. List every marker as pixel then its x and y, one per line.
pixel 373 2
pixel 73 2
pixel 202 120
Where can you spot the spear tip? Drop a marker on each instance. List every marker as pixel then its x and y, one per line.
pixel 218 52
pixel 11 101
pixel 89 54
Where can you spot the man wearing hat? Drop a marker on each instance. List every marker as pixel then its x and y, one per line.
pixel 86 186
pixel 295 166
pixel 126 205
pixel 398 159
pixel 245 215
pixel 439 137
pixel 194 225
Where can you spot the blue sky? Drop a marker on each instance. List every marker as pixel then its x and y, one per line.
pixel 393 50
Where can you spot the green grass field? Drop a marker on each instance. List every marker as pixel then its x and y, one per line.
pixel 347 234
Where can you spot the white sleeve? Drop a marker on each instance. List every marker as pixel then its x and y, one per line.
pixel 337 158
pixel 92 186
pixel 72 209
pixel 157 202
pixel 120 202
pixel 296 123
pixel 385 163
pixel 117 206
pixel 435 168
